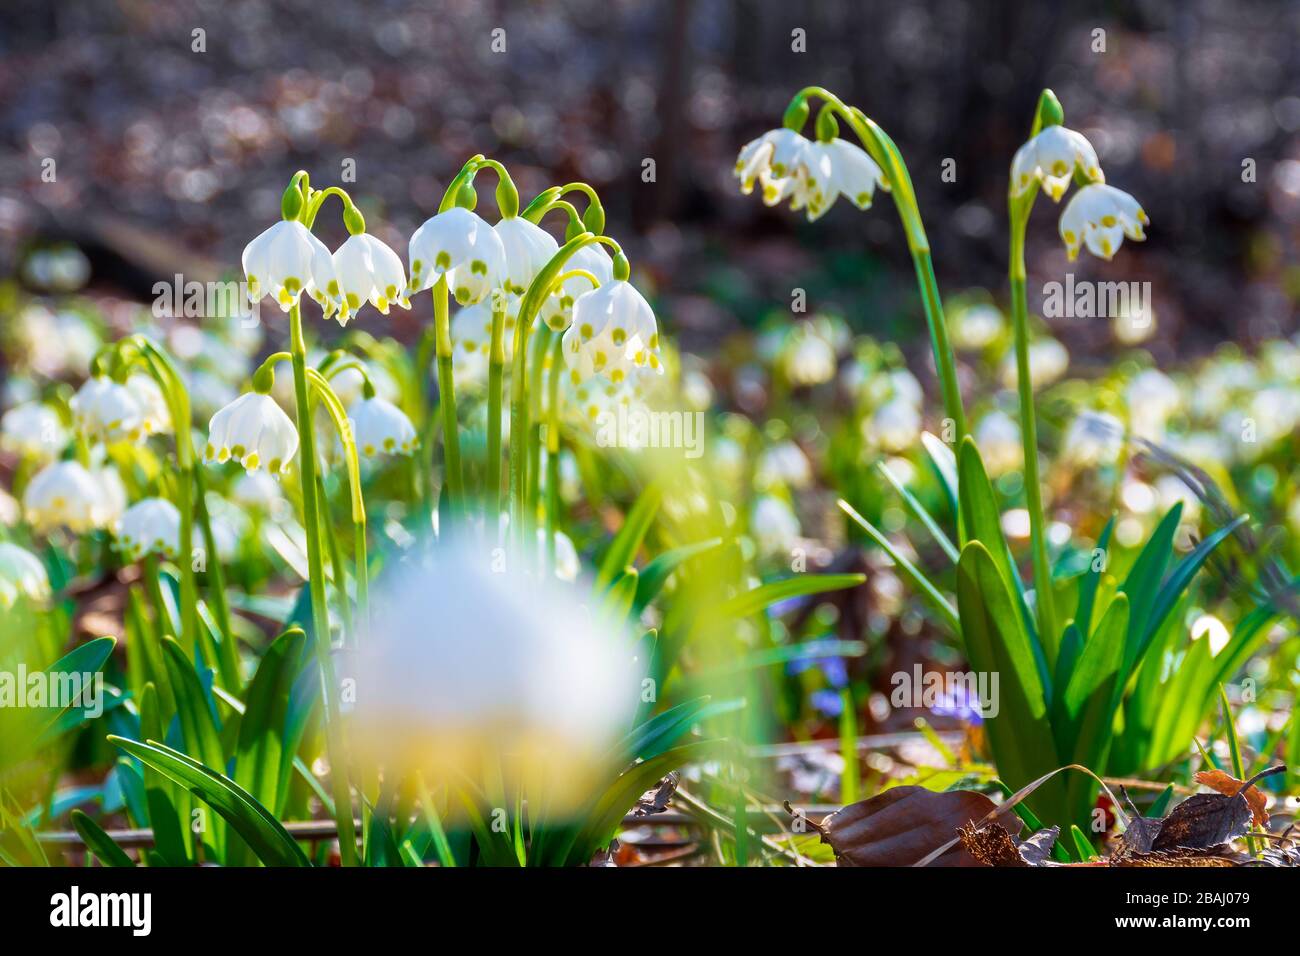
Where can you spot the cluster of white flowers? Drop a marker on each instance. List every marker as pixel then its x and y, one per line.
pixel 1097 216
pixel 812 175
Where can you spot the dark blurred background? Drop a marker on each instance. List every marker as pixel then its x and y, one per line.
pixel 170 160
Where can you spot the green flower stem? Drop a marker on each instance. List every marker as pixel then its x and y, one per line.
pixel 553 448
pixel 496 386
pixel 1044 599
pixel 336 566
pixel 339 416
pixel 320 606
pixel 888 157
pixel 163 371
pixel 447 395
pixel 229 658
pixel 542 286
pixel 541 345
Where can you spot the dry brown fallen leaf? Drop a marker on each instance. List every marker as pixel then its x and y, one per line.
pixel 1228 785
pixel 992 845
pixel 905 824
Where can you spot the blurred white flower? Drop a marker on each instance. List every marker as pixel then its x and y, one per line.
pixel 156 417
pixel 1100 216
pixel 368 271
pixel 1048 361
pixel 774 526
pixel 808 359
pixel 21 576
pixel 151 526
pixel 1093 438
pixel 613 332
pixel 977 326
pixel 1152 397
pixel 65 494
pixel 467 663
pixel 895 426
pixel 107 411
pixel 33 430
pixel 254 431
pixel 1051 158
pixel 1213 630
pixel 284 260
pixel 998 438
pixel 528 247
pixel 783 464
pixel 1170 490
pixel 380 427
pixel 462 246
pixel 257 491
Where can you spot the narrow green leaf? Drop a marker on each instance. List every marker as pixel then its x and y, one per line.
pixel 99 842
pixel 1088 586
pixel 656 573
pixel 909 570
pixel 261 831
pixel 918 511
pixel 622 550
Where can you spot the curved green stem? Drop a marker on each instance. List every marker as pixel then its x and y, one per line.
pixel 890 159
pixel 334 744
pixel 339 416
pixel 447 396
pixel 553 448
pixel 541 287
pixel 1044 598
pixel 496 383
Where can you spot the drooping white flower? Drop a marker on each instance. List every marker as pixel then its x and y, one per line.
pixel 773 160
pixel 833 169
pixel 254 431
pixel 1051 158
pixel 65 494
pixel 613 332
pixel 284 261
pixel 151 526
pixel 368 271
pixel 557 310
pixel 998 438
pixel 380 427
pixel 107 411
pixel 1100 216
pixel 33 430
pixel 528 247
pixel 461 245
pixel 155 416
pixel 21 576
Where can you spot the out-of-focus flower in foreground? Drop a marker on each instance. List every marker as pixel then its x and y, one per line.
pixel 468 666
